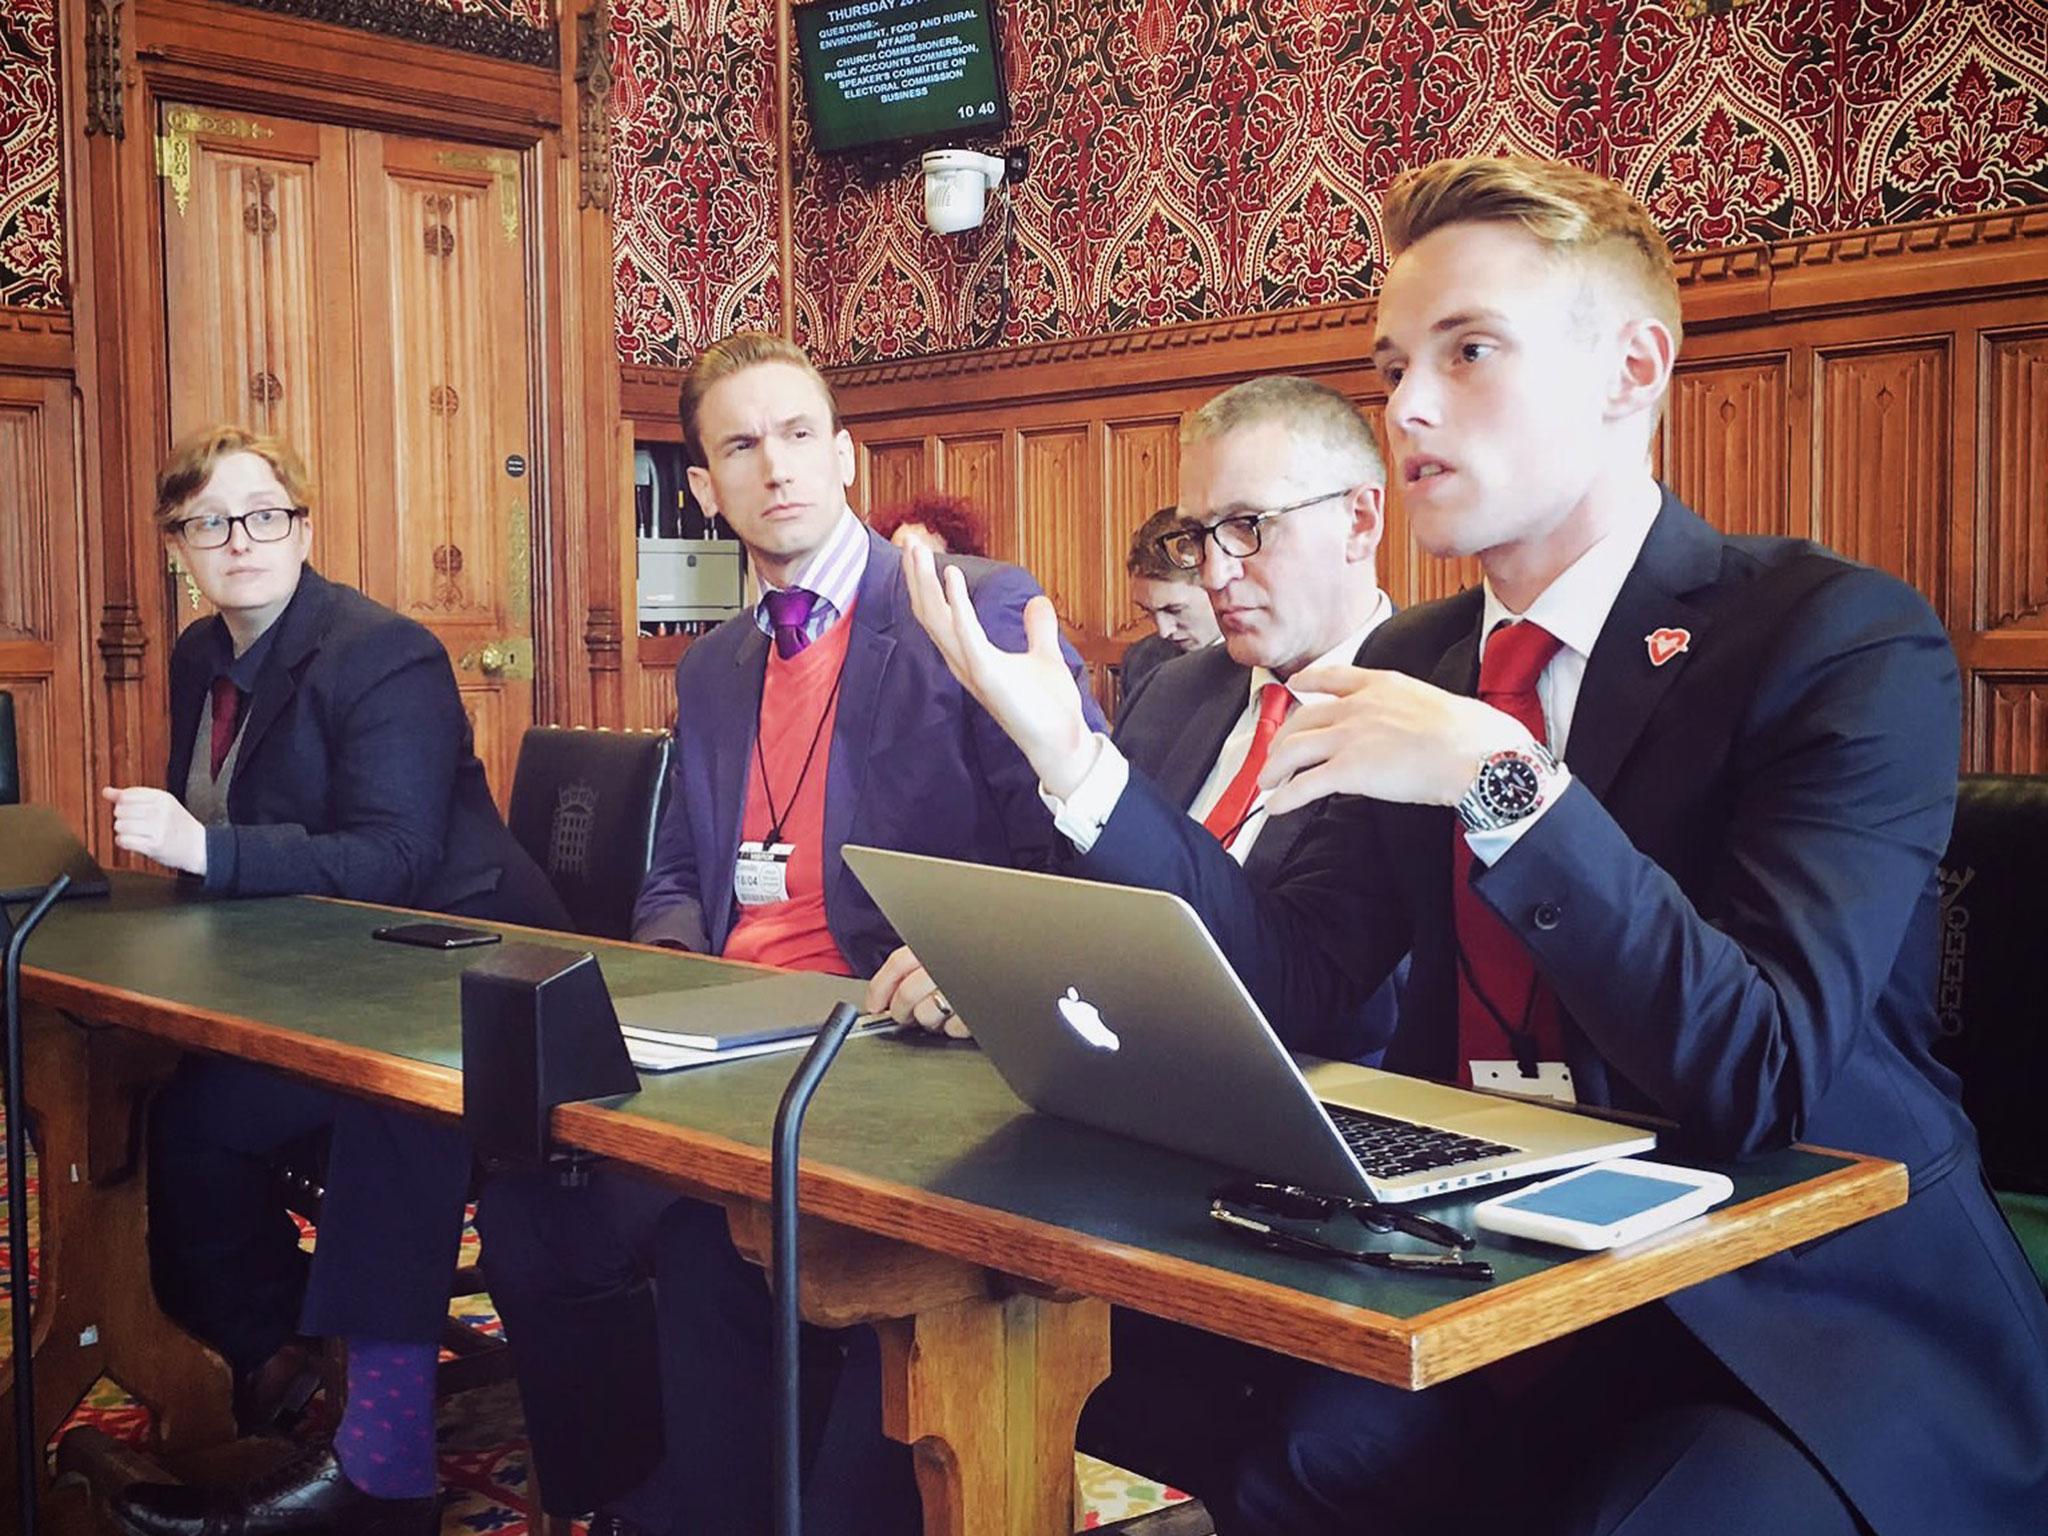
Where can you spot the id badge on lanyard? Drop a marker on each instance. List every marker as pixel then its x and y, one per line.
pixel 760 877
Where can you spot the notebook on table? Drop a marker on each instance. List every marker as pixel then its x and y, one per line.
pixel 1113 1006
pixel 774 1011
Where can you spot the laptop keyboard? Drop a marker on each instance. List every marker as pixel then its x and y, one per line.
pixel 1391 1149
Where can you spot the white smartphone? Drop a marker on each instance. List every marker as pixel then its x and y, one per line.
pixel 1605 1204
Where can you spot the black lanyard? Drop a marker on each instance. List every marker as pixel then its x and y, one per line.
pixel 775 817
pixel 1521 1041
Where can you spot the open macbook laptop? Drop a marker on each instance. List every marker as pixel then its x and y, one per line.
pixel 1113 1006
pixel 36 846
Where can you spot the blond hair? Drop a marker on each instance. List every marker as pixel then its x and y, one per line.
pixel 1314 412
pixel 736 354
pixel 194 459
pixel 1575 213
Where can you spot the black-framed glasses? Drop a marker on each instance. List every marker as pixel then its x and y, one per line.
pixel 1238 536
pixel 1244 1207
pixel 264 525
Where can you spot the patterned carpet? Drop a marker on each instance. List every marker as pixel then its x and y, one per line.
pixel 482 1438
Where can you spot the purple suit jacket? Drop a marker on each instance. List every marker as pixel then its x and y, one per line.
pixel 916 764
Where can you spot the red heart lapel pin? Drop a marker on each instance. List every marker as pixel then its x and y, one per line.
pixel 1667 643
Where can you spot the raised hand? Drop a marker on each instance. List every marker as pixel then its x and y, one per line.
pixel 1385 735
pixel 1030 694
pixel 155 825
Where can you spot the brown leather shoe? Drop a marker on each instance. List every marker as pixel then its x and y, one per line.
pixel 308 1494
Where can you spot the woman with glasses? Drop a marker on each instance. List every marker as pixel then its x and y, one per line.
pixel 318 746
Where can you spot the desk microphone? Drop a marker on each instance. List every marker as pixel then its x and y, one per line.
pixel 782 1200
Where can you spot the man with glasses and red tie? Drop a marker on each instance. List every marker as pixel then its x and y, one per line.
pixel 822 716
pixel 1658 811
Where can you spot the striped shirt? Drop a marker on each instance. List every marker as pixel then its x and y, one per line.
pixel 832 572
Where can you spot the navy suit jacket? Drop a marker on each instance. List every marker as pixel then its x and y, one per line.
pixel 355 776
pixel 916 764
pixel 1171 727
pixel 1735 902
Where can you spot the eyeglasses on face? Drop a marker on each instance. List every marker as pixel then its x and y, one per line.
pixel 264 525
pixel 1238 536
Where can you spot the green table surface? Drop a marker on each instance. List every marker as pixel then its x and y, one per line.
pixel 928 1116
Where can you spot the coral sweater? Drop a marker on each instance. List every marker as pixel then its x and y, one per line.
pixel 799 699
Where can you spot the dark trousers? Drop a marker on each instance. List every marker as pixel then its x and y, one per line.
pixel 1628 1429
pixel 224 1251
pixel 643 1344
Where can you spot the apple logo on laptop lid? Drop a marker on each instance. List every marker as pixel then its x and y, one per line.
pixel 1085 1020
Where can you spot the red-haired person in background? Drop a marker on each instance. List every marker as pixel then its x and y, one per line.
pixel 948 525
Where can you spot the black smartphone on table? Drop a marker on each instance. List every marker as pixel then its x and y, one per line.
pixel 435 935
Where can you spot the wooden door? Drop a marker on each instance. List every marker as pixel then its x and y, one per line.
pixel 364 296
pixel 441 280
pixel 259 307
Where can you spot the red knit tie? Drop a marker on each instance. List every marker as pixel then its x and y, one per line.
pixel 1227 815
pixel 1527 1024
pixel 227 704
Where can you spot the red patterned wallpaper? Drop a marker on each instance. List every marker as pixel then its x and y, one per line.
pixel 694 148
pixel 31 210
pixel 1205 158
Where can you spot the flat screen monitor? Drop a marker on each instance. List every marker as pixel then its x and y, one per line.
pixel 900 72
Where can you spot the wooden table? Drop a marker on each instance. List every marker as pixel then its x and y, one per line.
pixel 985 1242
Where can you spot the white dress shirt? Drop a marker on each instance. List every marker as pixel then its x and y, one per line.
pixel 1231 755
pixel 1574 607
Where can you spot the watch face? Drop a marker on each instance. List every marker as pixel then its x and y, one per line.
pixel 1509 787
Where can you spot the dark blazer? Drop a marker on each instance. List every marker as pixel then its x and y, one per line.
pixel 355 776
pixel 1735 902
pixel 1171 727
pixel 916 764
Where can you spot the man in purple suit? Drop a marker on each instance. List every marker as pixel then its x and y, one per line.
pixel 822 715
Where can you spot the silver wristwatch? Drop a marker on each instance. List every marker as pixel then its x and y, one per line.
pixel 1511 785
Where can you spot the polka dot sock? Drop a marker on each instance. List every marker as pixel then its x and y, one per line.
pixel 386 1440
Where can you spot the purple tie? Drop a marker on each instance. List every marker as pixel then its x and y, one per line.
pixel 789 610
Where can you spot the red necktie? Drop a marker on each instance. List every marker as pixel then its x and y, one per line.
pixel 1227 815
pixel 1523 1017
pixel 227 704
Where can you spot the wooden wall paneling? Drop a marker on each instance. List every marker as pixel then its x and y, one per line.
pixel 443 258
pixel 970 465
pixel 1881 477
pixel 2012 511
pixel 258 299
pixel 1725 444
pixel 1142 475
pixel 1060 494
pixel 654 699
pixel 42 626
pixel 2013 728
pixel 891 472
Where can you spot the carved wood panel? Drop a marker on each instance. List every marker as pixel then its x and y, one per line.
pixel 42 659
pixel 654 699
pixel 1144 475
pixel 1062 516
pixel 1724 443
pixel 2013 723
pixel 971 465
pixel 2014 520
pixel 24 526
pixel 1881 455
pixel 893 472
